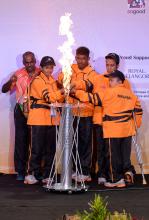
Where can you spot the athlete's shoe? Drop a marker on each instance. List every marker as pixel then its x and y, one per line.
pixel 20 177
pixel 83 178
pixel 118 184
pixel 47 181
pixel 129 178
pixel 101 180
pixel 30 179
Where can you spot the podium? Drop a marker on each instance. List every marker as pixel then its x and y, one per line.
pixel 67 144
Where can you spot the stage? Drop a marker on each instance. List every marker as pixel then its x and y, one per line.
pixel 20 202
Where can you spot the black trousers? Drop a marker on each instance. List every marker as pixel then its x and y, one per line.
pixel 118 151
pixel 101 150
pixel 85 143
pixel 43 146
pixel 21 141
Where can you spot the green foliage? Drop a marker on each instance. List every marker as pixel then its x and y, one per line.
pixel 119 216
pixel 98 210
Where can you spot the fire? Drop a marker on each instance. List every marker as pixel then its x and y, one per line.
pixel 66 49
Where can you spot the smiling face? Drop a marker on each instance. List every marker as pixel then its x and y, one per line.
pixel 111 65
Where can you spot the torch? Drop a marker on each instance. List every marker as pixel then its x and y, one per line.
pixel 66 50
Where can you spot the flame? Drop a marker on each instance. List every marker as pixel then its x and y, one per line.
pixel 66 49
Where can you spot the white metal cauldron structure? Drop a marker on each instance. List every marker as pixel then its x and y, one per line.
pixel 67 144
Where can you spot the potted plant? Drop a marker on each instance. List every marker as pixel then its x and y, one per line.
pixel 98 211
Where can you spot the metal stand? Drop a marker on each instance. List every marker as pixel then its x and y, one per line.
pixel 66 142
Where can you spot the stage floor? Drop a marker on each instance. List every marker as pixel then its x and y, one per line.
pixel 21 202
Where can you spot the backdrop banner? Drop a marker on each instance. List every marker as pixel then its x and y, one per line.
pixel 103 26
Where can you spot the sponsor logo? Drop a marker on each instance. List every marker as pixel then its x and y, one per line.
pixel 136 7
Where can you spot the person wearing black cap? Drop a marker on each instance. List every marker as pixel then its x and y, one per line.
pixel 43 121
pixel 112 64
pixel 118 103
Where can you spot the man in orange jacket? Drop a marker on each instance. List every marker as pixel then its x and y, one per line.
pixel 118 104
pixel 112 63
pixel 19 81
pixel 43 91
pixel 83 76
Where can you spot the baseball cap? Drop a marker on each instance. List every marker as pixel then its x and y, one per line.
pixel 45 61
pixel 117 74
pixel 113 56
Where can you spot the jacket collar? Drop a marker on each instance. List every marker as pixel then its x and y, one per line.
pixel 86 70
pixel 45 78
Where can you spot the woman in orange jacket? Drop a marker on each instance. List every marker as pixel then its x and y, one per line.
pixel 42 120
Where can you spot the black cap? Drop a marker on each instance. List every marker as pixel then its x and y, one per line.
pixel 45 61
pixel 113 56
pixel 117 74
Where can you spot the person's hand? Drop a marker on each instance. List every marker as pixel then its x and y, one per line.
pixel 62 91
pixel 59 85
pixel 72 85
pixel 73 91
pixel 13 78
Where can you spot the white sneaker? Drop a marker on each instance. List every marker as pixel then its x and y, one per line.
pixel 83 178
pixel 118 184
pixel 101 180
pixel 30 179
pixel 74 175
pixel 47 181
pixel 129 179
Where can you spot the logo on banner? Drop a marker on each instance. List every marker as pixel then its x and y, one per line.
pixel 136 7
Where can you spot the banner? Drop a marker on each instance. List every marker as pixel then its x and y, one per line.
pixel 103 26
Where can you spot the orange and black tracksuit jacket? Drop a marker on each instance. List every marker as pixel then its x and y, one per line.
pixel 42 120
pixel 84 80
pixel 102 82
pixel 118 104
pixel 43 91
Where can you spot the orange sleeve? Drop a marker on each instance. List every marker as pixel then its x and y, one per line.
pixel 95 98
pixel 84 96
pixel 59 96
pixel 52 96
pixel 127 84
pixel 36 88
pixel 80 85
pixel 60 78
pixel 55 96
pixel 138 113
pixel 96 83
